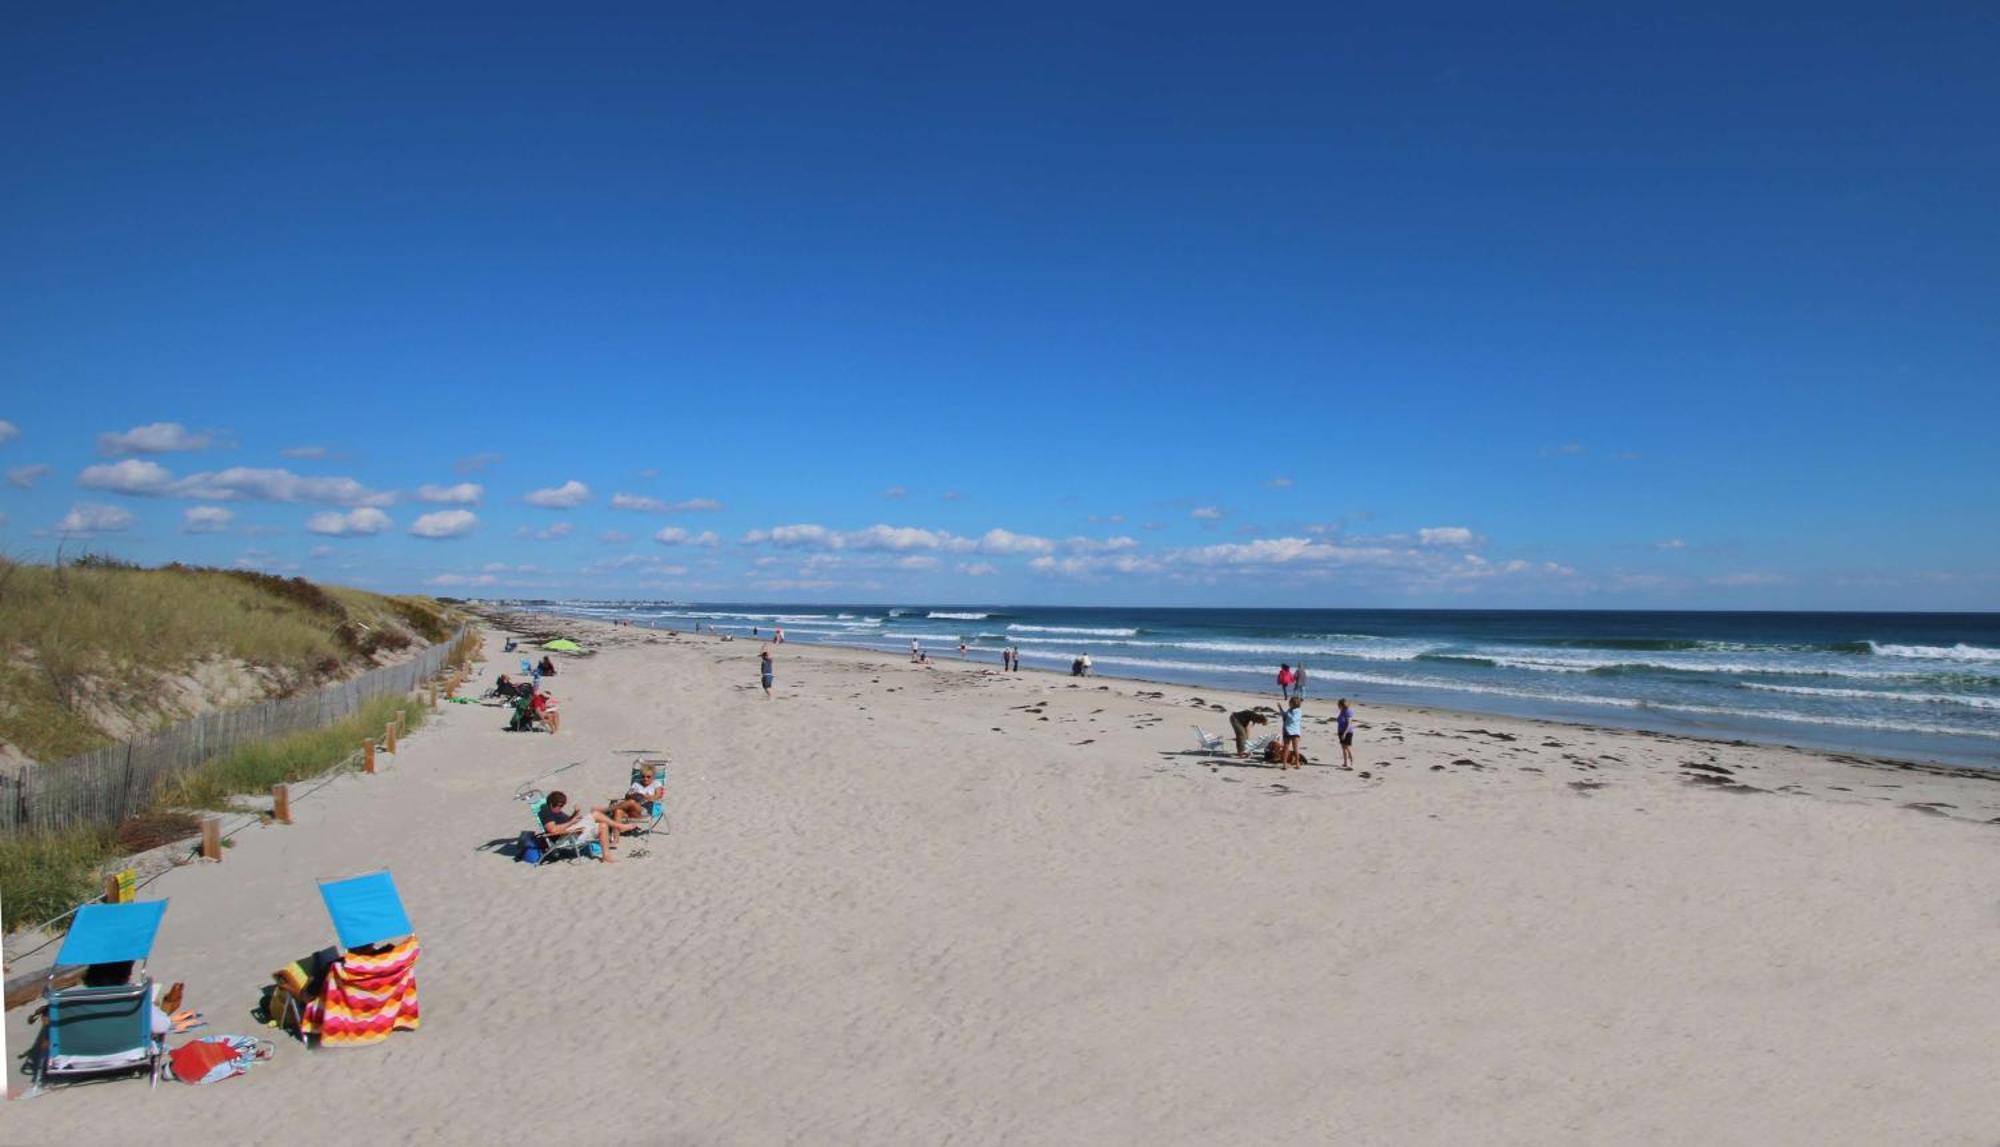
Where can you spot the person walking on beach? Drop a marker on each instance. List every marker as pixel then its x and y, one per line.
pixel 913 649
pixel 1085 662
pixel 1284 682
pixel 1299 680
pixel 961 651
pixel 1239 724
pixel 764 668
pixel 1291 757
pixel 1344 725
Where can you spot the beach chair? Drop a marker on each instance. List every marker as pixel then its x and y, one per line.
pixel 1258 744
pixel 1210 742
pixel 657 810
pixel 102 1031
pixel 577 845
pixel 371 990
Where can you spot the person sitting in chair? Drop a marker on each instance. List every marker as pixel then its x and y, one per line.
pixel 566 826
pixel 638 801
pixel 164 1021
pixel 547 668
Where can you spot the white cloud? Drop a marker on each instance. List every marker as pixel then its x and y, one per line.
pixel 1081 545
pixel 1670 544
pixel 997 541
pixel 676 536
pixel 1446 536
pixel 132 476
pixel 462 494
pixel 355 524
pixel 896 492
pixel 916 562
pixel 1279 483
pixel 153 438
pixel 25 477
pixel 552 533
pixel 88 518
pixel 1096 565
pixel 1206 513
pixel 569 494
pixel 445 524
pixel 8 431
pixel 305 452
pixel 449 579
pixel 952 495
pixel 1566 450
pixel 893 538
pixel 650 473
pixel 978 569
pixel 318 552
pixel 1107 519
pixel 210 519
pixel 614 537
pixel 141 478
pixel 643 504
pixel 477 462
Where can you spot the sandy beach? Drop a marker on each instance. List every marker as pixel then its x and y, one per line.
pixel 905 904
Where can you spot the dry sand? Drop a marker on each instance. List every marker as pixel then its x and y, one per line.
pixel 918 905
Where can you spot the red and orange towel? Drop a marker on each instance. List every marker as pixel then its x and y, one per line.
pixel 367 996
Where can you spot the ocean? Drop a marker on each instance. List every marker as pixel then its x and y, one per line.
pixel 1916 686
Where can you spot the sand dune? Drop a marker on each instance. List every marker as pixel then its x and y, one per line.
pixel 911 905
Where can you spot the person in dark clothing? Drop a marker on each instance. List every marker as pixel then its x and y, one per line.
pixel 547 668
pixel 1239 724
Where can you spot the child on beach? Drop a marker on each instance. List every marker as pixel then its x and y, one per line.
pixel 764 667
pixel 1292 720
pixel 1345 726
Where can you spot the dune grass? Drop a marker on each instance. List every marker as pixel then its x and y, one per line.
pixel 44 874
pixel 294 757
pixel 97 635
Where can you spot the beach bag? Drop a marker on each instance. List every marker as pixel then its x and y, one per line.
pixel 212 1059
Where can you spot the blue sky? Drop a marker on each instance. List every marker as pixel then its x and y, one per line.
pixel 1236 306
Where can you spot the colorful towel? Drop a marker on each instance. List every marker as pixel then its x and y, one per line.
pixel 367 996
pixel 215 1058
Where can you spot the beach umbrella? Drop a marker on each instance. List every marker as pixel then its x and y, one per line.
pixel 563 645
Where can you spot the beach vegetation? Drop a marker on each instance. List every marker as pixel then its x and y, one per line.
pixel 105 649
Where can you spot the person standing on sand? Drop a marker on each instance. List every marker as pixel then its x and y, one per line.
pixel 1299 680
pixel 764 669
pixel 1239 724
pixel 1285 682
pixel 1085 662
pixel 961 651
pixel 1291 758
pixel 1344 725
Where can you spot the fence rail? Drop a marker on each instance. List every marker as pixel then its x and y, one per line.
pixel 104 786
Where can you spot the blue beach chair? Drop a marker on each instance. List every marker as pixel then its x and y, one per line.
pixel 366 909
pixel 102 1031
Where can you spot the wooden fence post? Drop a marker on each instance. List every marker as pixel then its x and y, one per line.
pixel 389 737
pixel 434 694
pixel 368 755
pixel 211 838
pixel 281 803
pixel 111 895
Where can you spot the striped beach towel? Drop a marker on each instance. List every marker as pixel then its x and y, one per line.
pixel 366 997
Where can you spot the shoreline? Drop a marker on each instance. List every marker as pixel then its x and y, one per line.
pixel 1830 750
pixel 1979 787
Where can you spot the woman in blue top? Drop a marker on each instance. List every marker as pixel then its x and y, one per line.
pixel 1290 758
pixel 1345 725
